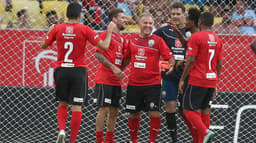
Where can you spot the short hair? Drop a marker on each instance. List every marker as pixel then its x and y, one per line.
pixel 114 13
pixel 193 15
pixel 178 5
pixel 73 10
pixel 144 15
pixel 207 19
pixel 21 12
pixel 51 12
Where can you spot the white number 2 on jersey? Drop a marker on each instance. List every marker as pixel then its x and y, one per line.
pixel 69 46
pixel 212 52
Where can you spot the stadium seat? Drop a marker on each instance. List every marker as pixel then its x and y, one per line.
pixel 37 19
pixel 132 28
pixel 1 6
pixel 217 20
pixel 188 6
pixel 59 6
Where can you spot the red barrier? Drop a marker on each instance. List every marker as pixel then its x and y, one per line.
pixel 23 63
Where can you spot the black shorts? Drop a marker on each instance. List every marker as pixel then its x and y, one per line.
pixel 71 85
pixel 108 95
pixel 146 98
pixel 195 97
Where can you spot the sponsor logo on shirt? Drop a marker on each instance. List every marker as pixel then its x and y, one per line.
pixel 212 41
pixel 140 56
pixel 69 29
pixel 178 43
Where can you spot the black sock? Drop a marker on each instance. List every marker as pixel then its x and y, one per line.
pixel 171 125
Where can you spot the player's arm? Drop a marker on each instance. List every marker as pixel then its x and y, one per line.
pixel 125 63
pixel 253 46
pixel 182 39
pixel 188 66
pixel 102 59
pixel 105 44
pixel 219 66
pixel 43 43
pixel 171 62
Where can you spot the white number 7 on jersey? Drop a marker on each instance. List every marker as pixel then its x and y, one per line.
pixel 212 52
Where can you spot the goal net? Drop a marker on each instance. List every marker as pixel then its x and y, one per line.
pixel 27 100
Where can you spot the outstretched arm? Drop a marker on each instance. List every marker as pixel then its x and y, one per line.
pixel 105 44
pixel 102 59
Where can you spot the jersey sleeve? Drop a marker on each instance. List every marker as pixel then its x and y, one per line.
pixel 101 36
pixel 165 52
pixel 51 37
pixel 193 46
pixel 158 32
pixel 92 36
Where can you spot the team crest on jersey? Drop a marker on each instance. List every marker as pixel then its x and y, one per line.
pixel 211 37
pixel 151 43
pixel 141 52
pixel 69 29
pixel 178 43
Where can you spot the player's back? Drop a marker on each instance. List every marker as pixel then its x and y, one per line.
pixel 207 47
pixel 71 43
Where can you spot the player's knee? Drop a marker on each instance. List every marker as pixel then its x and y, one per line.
pixel 76 108
pixel 134 115
pixel 170 106
pixel 171 120
pixel 113 112
pixel 154 114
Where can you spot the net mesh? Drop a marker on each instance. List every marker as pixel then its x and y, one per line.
pixel 28 106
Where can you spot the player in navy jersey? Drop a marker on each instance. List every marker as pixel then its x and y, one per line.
pixel 170 82
pixel 144 87
pixel 202 71
pixel 70 74
pixel 253 46
pixel 192 27
pixel 108 78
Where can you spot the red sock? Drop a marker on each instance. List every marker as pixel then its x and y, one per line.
pixel 134 125
pixel 109 137
pixel 155 123
pixel 196 121
pixel 99 136
pixel 75 125
pixel 191 128
pixel 206 118
pixel 62 115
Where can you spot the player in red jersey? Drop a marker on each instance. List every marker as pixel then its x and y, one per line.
pixel 203 67
pixel 144 86
pixel 108 78
pixel 253 46
pixel 70 74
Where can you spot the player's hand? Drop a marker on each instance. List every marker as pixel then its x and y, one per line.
pixel 178 64
pixel 172 25
pixel 170 69
pixel 215 93
pixel 181 86
pixel 119 74
pixel 111 26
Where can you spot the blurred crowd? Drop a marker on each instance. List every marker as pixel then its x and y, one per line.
pixel 231 16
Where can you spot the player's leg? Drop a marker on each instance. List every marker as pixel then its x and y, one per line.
pixel 113 113
pixel 134 104
pixel 171 90
pixel 62 90
pixel 152 101
pixel 193 99
pixel 101 92
pixel 191 128
pixel 78 94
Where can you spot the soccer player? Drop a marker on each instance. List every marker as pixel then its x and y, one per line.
pixel 70 74
pixel 108 78
pixel 144 86
pixel 203 67
pixel 170 82
pixel 253 46
pixel 192 27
